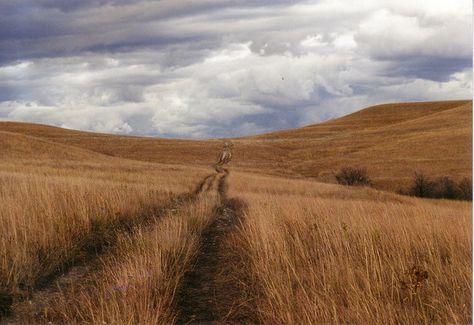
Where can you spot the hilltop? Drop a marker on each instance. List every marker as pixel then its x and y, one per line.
pixel 391 141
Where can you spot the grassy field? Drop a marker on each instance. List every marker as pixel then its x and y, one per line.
pixel 392 141
pixel 65 204
pixel 104 229
pixel 136 281
pixel 319 253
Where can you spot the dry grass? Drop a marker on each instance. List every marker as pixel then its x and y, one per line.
pixel 56 211
pixel 135 283
pixel 392 141
pixel 311 252
pixel 319 253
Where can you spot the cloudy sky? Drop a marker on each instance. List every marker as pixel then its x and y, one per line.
pixel 220 68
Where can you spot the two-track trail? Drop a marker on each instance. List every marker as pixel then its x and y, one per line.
pixel 211 292
pixel 30 307
pixel 208 287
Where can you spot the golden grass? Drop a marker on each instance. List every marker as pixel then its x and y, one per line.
pixel 319 253
pixel 392 141
pixel 311 252
pixel 55 212
pixel 136 283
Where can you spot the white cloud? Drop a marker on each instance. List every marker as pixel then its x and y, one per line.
pixel 387 34
pixel 218 68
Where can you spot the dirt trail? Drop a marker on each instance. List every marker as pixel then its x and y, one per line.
pixel 210 291
pixel 73 271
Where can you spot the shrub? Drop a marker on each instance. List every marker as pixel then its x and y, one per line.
pixel 353 176
pixel 446 188
pixel 422 186
pixel 465 189
pixel 442 188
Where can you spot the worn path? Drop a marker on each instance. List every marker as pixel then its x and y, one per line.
pixel 210 290
pixel 32 304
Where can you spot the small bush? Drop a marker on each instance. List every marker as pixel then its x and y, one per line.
pixel 446 188
pixel 353 176
pixel 422 186
pixel 442 188
pixel 465 189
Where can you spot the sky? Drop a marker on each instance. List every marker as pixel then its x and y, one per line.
pixel 215 68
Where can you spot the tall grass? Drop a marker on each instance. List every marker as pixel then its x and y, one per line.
pixel 310 252
pixel 55 212
pixel 136 283
pixel 318 253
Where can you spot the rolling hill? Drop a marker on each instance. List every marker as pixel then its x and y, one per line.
pixel 391 141
pixel 108 229
pixel 15 146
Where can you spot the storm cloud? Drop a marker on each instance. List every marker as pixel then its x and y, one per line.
pixel 217 68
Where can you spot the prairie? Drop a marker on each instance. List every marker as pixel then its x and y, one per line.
pixel 392 141
pixel 108 229
pixel 63 206
pixel 136 280
pixel 319 254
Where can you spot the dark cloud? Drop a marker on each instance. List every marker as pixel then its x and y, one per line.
pixel 430 68
pixel 224 68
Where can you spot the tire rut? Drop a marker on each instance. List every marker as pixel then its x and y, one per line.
pixel 204 184
pixel 77 268
pixel 209 293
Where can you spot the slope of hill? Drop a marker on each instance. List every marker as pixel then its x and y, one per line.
pixel 391 141
pixel 171 151
pixel 19 146
pixel 112 229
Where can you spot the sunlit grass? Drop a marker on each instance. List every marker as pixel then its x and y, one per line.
pixel 53 213
pixel 320 254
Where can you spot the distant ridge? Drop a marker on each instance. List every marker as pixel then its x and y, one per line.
pixel 391 140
